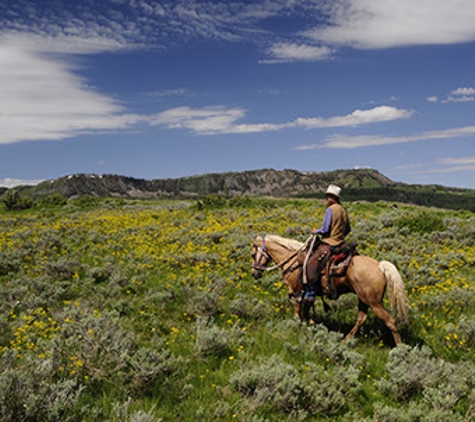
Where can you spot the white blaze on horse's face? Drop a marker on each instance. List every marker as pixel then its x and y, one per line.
pixel 259 260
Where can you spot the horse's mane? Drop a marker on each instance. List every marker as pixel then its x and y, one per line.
pixel 290 244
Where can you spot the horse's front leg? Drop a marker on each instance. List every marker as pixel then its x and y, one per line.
pixel 305 312
pixel 296 300
pixel 360 320
pixel 326 307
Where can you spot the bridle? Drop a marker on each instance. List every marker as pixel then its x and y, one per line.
pixel 264 254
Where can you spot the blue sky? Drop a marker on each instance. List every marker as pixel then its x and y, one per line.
pixel 165 89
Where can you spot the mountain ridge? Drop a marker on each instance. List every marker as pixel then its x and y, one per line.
pixel 264 182
pixel 357 184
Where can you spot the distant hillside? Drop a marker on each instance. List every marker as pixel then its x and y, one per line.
pixel 267 182
pixel 362 184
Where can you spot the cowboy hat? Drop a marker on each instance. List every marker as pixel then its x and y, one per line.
pixel 333 190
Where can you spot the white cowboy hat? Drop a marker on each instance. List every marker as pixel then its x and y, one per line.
pixel 333 190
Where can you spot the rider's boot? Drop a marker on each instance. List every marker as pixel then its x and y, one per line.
pixel 310 293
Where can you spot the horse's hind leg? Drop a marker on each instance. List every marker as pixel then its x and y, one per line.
pixel 360 320
pixel 390 322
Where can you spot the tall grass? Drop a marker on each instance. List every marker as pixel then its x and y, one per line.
pixel 118 310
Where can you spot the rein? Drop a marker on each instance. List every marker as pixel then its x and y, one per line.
pixel 312 243
pixel 263 251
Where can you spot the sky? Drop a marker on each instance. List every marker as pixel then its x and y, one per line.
pixel 168 89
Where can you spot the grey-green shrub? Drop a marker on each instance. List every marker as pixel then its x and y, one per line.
pixel 414 412
pixel 465 331
pixel 414 371
pixel 30 390
pixel 106 352
pixel 212 340
pixel 314 390
pixel 328 345
pixel 122 413
pixel 421 223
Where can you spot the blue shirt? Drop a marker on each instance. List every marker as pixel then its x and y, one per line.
pixel 327 222
pixel 325 230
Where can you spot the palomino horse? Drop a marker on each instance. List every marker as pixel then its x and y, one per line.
pixel 366 277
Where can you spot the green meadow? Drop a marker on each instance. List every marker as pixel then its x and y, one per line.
pixel 128 310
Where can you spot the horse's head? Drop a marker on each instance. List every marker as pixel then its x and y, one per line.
pixel 260 256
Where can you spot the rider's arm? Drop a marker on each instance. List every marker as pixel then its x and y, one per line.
pixel 327 222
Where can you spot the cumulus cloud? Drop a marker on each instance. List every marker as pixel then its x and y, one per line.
pixel 464 91
pixel 461 95
pixel 459 99
pixel 395 23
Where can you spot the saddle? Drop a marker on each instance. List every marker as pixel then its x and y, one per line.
pixel 339 260
pixel 327 264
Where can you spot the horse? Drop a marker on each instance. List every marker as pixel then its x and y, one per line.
pixel 365 277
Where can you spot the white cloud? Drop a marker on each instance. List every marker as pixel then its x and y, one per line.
pixel 461 95
pixel 204 120
pixel 297 52
pixel 410 166
pixel 458 161
pixel 395 23
pixel 41 99
pixel 109 25
pixel 11 182
pixel 219 120
pixel 351 142
pixel 464 91
pixel 358 117
pixel 169 93
pixel 437 169
pixel 209 120
pixel 459 99
pixel 453 169
pixel 41 96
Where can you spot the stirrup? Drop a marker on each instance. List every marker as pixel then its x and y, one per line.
pixel 310 294
pixel 309 297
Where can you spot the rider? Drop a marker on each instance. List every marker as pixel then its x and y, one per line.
pixel 335 227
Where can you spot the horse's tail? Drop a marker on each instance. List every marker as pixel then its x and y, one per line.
pixel 396 291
